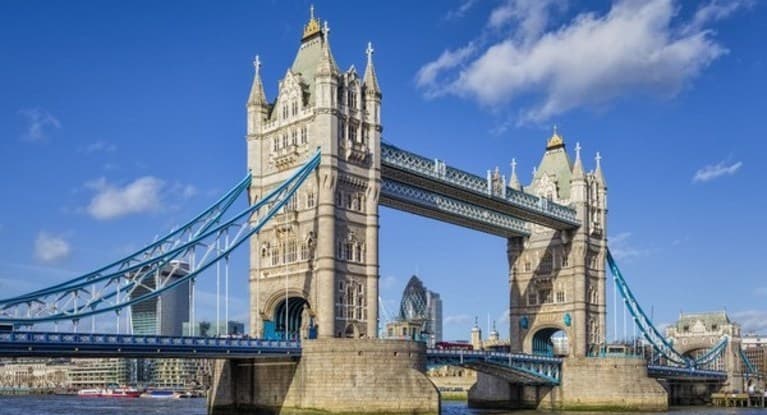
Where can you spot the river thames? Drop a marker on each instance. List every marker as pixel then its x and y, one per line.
pixel 73 405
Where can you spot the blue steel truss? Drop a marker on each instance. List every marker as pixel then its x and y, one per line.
pixel 685 373
pixel 410 168
pixel 207 244
pixel 523 368
pixel 151 252
pixel 750 369
pixel 661 346
pixel 423 202
pixel 38 344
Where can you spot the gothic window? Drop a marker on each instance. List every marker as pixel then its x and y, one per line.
pixel 341 132
pixel 349 198
pixel 356 202
pixel 348 250
pixel 275 255
pixel 294 108
pixel 528 266
pixel 304 251
pixel 339 198
pixel 284 111
pixel 341 94
pixel 546 264
pixel 560 296
pixel 310 200
pixel 364 135
pixel 284 140
pixel 290 257
pixel 303 135
pixel 545 296
pixel 275 143
pixel 294 137
pixel 564 259
pixel 532 298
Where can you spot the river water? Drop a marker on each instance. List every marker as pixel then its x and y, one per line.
pixel 74 405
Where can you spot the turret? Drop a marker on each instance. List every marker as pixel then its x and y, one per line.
pixel 578 185
pixel 371 89
pixel 258 106
pixel 476 335
pixel 326 73
pixel 514 180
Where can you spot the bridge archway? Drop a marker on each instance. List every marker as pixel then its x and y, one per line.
pixel 550 341
pixel 288 318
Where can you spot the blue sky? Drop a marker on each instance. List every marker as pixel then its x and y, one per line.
pixel 120 119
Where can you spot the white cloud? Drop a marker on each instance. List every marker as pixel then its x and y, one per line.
pixel 752 321
pixel 637 47
pixel 622 249
pixel 427 75
pixel 460 319
pixel 714 171
pixel 51 248
pixel 459 12
pixel 39 124
pixel 142 195
pixel 99 146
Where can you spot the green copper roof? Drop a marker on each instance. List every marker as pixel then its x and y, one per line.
pixel 308 58
pixel 556 162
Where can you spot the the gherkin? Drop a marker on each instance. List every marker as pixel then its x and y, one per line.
pixel 413 306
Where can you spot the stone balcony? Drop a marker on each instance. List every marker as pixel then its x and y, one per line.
pixel 285 156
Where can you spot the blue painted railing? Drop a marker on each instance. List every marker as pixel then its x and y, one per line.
pixel 437 170
pixel 44 344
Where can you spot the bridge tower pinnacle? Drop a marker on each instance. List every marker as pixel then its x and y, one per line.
pixel 558 277
pixel 314 267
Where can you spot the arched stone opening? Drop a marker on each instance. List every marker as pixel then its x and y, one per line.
pixel 289 318
pixel 550 341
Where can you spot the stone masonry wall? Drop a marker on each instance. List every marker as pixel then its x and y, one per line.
pixel 333 375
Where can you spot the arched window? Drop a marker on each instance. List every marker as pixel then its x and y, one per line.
pixel 303 135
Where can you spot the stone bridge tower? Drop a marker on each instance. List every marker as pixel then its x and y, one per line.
pixel 696 333
pixel 558 277
pixel 314 267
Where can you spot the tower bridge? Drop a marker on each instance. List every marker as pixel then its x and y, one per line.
pixel 318 173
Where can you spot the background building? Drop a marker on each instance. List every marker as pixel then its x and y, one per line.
pixel 99 373
pixel 420 314
pixel 164 315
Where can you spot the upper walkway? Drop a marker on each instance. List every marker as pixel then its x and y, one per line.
pixel 434 176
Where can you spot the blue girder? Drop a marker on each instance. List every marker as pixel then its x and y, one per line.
pixel 101 293
pixel 418 171
pixel 423 202
pixel 40 344
pixel 530 369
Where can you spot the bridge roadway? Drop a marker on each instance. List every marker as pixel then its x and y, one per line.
pixel 514 367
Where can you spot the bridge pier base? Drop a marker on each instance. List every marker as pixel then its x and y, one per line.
pixel 333 375
pixel 586 384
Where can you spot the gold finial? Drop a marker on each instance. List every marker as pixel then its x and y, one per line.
pixel 556 141
pixel 313 26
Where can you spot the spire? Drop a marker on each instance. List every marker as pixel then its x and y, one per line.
pixel 327 64
pixel 514 180
pixel 556 141
pixel 257 95
pixel 371 81
pixel 598 171
pixel 312 27
pixel 578 166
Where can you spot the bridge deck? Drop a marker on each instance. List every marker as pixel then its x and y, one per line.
pixel 433 175
pixel 34 344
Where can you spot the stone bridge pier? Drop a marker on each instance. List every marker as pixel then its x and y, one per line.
pixel 619 384
pixel 358 376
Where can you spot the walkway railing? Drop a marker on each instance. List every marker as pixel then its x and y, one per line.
pixel 439 171
pixel 42 344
